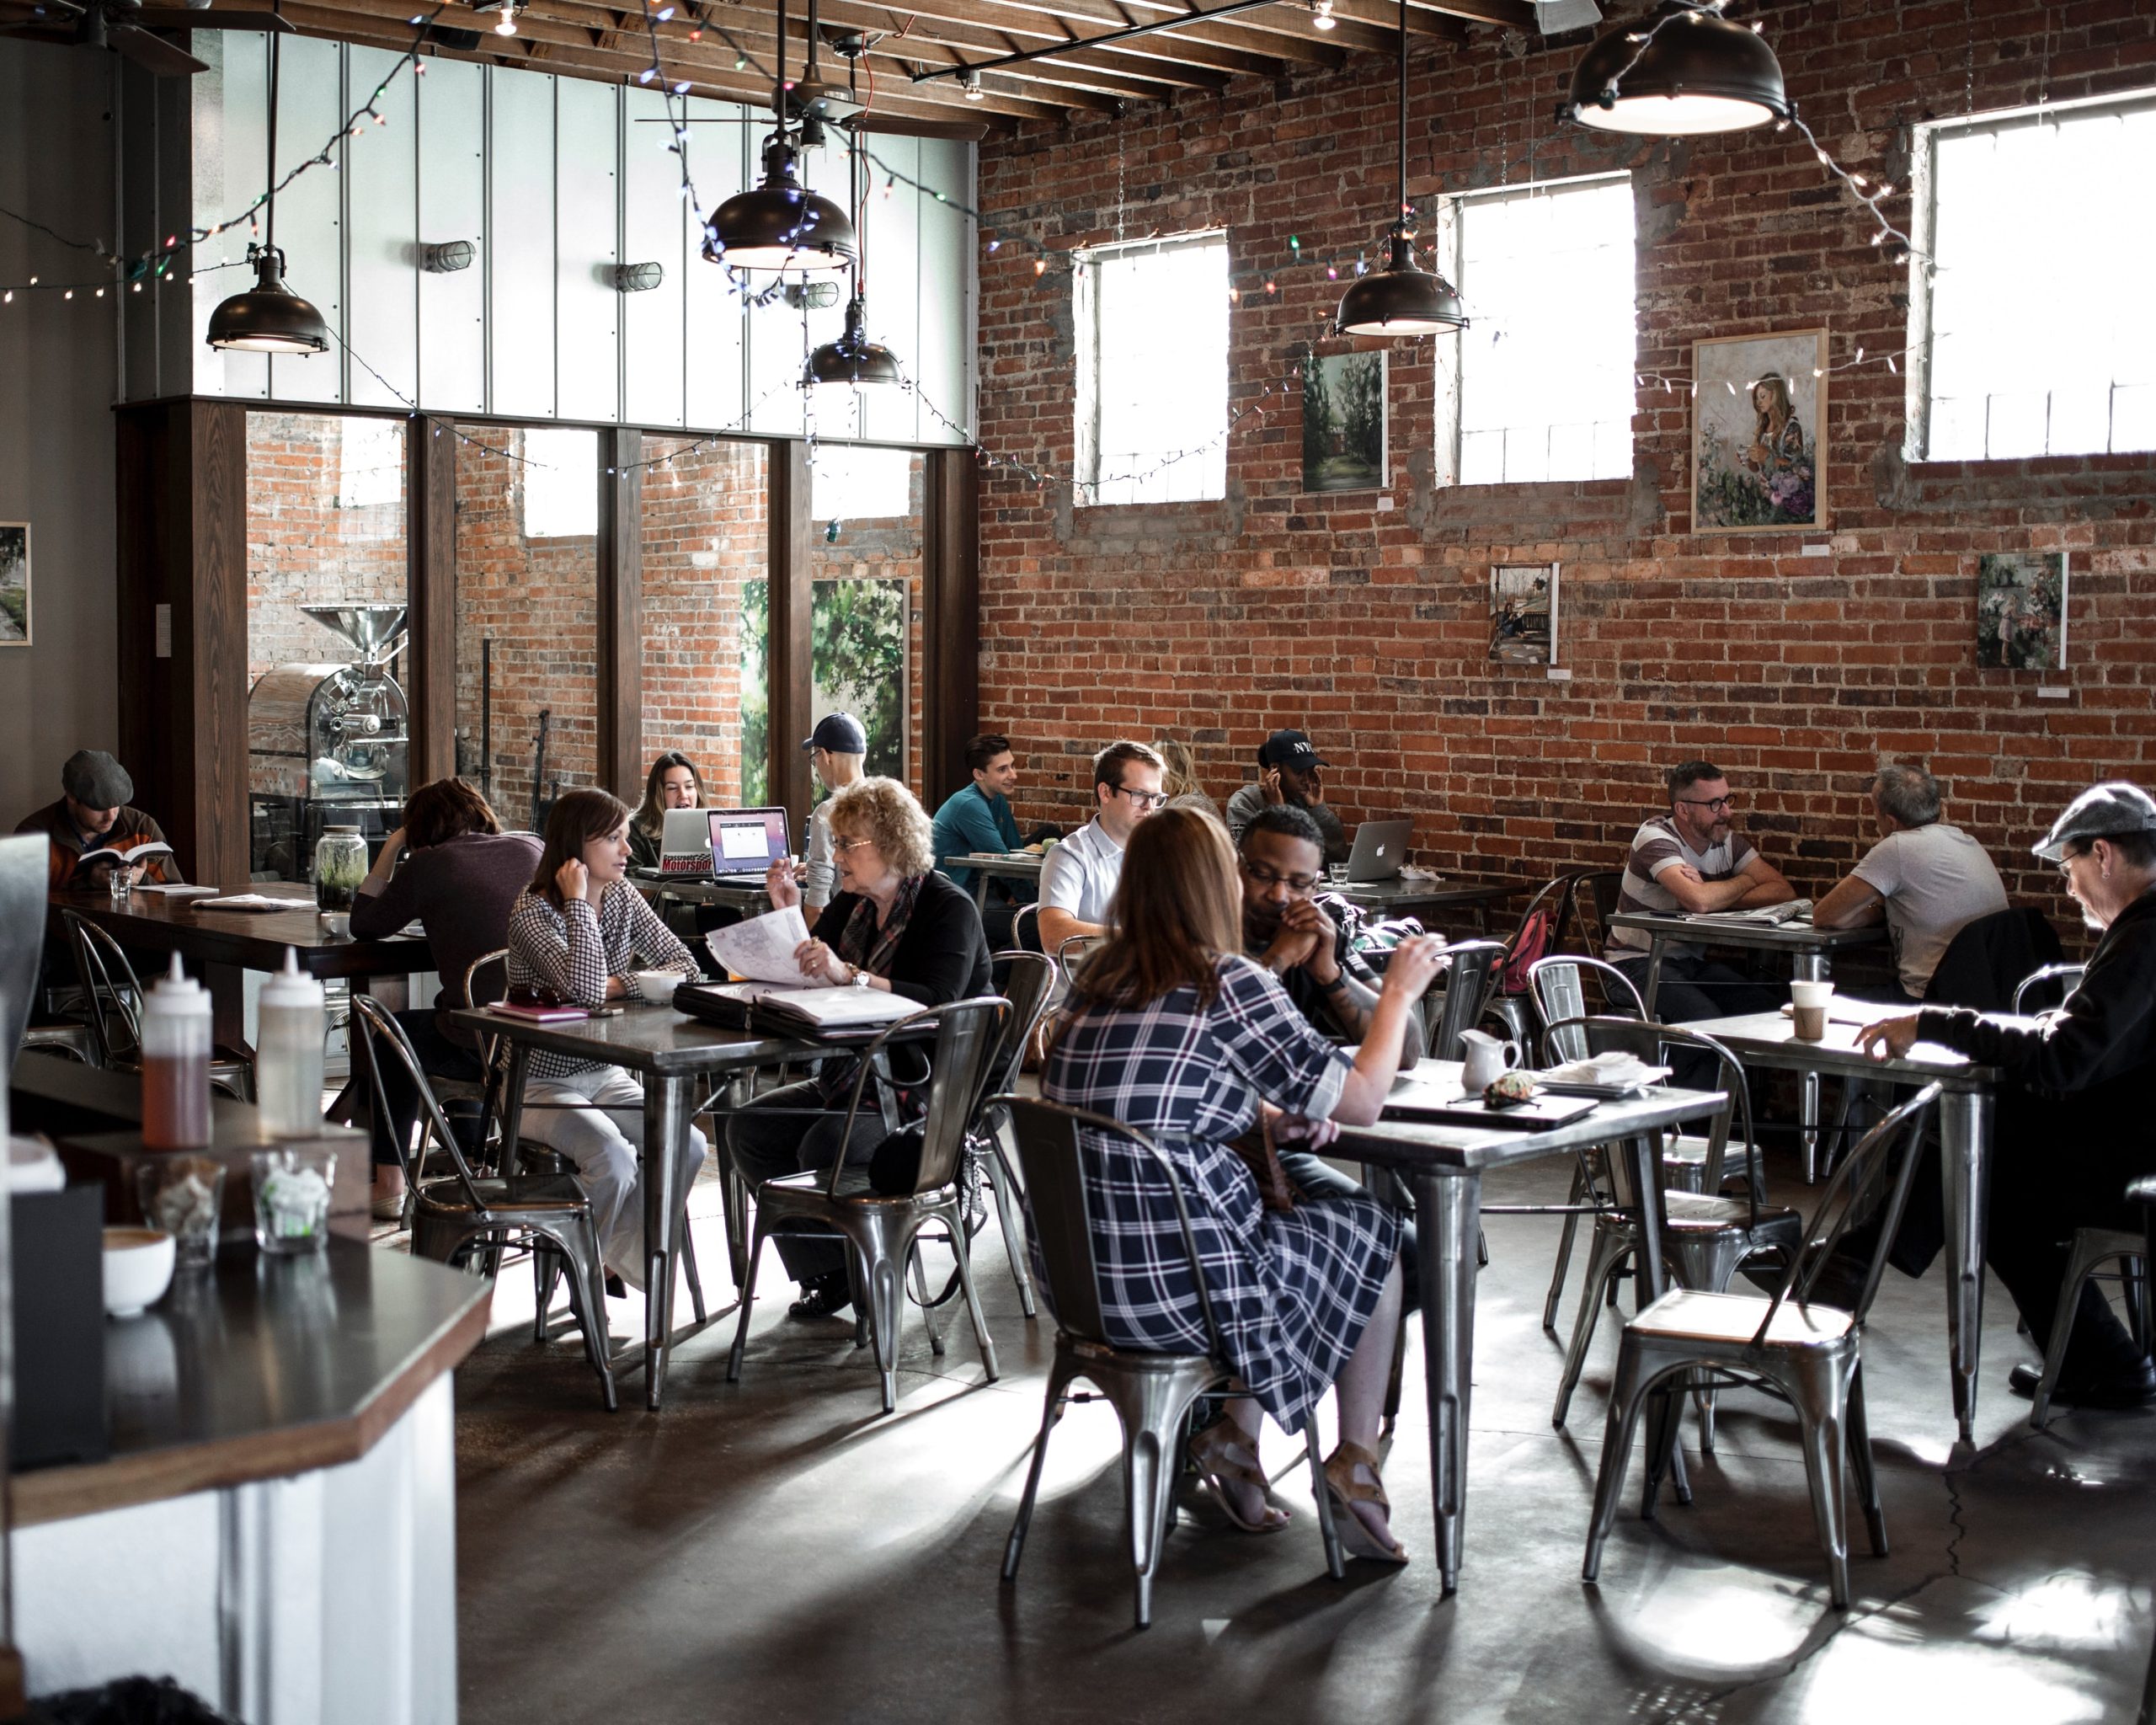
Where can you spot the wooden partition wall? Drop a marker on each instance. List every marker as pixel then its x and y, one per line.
pixel 181 512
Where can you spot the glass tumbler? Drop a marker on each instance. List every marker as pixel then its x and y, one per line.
pixel 184 1196
pixel 291 1199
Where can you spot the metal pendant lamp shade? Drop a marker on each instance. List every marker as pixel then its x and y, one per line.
pixel 1403 298
pixel 1696 73
pixel 853 357
pixel 780 225
pixel 268 317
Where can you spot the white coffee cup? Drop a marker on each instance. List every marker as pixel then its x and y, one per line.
pixel 1486 1059
pixel 657 986
pixel 1809 1002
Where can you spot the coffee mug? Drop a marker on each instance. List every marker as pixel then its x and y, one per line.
pixel 1486 1058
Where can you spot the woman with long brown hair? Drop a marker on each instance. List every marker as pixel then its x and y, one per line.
pixel 673 782
pixel 1173 1031
pixel 580 932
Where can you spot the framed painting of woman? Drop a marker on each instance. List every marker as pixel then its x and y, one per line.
pixel 1759 433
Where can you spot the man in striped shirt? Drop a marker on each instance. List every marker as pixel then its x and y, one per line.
pixel 1694 859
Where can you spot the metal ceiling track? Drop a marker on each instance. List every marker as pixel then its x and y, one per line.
pixel 1025 56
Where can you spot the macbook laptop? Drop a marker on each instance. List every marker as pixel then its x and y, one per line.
pixel 1381 847
pixel 743 843
pixel 685 842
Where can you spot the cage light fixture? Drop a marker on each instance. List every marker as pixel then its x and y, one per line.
pixel 1686 71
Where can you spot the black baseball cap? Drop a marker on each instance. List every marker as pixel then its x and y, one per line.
pixel 841 732
pixel 1289 749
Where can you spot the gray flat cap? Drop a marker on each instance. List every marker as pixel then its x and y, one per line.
pixel 95 780
pixel 2098 813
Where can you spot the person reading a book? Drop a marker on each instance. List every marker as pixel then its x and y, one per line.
pixel 578 934
pixel 94 826
pixel 1693 859
pixel 893 924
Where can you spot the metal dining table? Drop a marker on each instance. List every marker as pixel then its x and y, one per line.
pixel 1965 1110
pixel 1444 1165
pixel 671 1055
pixel 1006 865
pixel 1428 895
pixel 732 895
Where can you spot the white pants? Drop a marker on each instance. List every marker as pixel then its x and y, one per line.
pixel 602 1142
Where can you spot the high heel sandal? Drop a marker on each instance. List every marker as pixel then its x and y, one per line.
pixel 1345 1491
pixel 1221 1453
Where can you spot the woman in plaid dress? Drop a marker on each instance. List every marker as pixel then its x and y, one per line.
pixel 1173 1031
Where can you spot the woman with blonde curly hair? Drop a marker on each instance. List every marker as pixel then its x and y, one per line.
pixel 894 924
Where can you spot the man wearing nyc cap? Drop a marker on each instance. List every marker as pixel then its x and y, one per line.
pixel 2075 1121
pixel 93 826
pixel 1288 771
pixel 836 749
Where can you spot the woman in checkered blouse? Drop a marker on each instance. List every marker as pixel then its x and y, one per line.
pixel 1172 1030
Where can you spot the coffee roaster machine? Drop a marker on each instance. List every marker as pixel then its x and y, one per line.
pixel 329 745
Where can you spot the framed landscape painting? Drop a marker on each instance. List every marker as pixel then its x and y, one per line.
pixel 14 584
pixel 1759 433
pixel 2021 610
pixel 1344 422
pixel 1522 613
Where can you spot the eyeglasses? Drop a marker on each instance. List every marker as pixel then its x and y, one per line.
pixel 1297 884
pixel 2066 863
pixel 1142 800
pixel 1719 804
pixel 839 844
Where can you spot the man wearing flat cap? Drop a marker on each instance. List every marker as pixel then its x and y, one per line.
pixel 2076 1122
pixel 92 826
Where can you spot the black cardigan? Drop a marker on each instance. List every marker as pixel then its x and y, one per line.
pixel 943 955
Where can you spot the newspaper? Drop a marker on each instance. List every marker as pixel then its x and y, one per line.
pixel 762 948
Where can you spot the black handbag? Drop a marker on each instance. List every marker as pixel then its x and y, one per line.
pixel 895 1165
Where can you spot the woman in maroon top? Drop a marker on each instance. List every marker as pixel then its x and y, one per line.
pixel 460 880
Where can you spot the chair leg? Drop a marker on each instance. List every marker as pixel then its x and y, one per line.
pixel 1148 1478
pixel 918 1273
pixel 1014 1547
pixel 2069 1302
pixel 1824 1457
pixel 587 1280
pixel 734 1207
pixel 546 1269
pixel 1867 1471
pixel 1610 1248
pixel 1565 1237
pixel 880 1273
pixel 1618 1430
pixel 689 1264
pixel 1395 1380
pixel 1006 1218
pixel 959 1245
pixel 1335 1561
pixel 748 1304
pixel 2134 1273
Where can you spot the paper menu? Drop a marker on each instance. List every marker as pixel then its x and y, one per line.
pixel 762 948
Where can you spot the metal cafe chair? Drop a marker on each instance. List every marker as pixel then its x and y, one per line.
pixel 2067 977
pixel 1541 931
pixel 2093 1248
pixel 1151 1393
pixel 1024 979
pixel 881 1227
pixel 1599 889
pixel 1705 1237
pixel 115 995
pixel 1466 991
pixel 450 1214
pixel 1806 1353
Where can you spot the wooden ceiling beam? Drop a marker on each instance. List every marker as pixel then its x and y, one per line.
pixel 1308 46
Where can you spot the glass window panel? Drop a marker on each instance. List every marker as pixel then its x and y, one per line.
pixel 325 528
pixel 2080 418
pixel 2016 426
pixel 2134 416
pixel 1153 371
pixel 1957 429
pixel 560 483
pixel 852 479
pixel 527 622
pixel 865 620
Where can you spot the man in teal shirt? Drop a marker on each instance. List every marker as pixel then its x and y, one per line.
pixel 979 818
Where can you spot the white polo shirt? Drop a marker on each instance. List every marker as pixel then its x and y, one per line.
pixel 1080 873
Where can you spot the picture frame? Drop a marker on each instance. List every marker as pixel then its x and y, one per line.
pixel 1346 435
pixel 14 584
pixel 2021 610
pixel 1522 617
pixel 1759 433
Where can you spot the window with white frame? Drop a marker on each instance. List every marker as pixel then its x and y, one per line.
pixel 2030 328
pixel 1540 385
pixel 369 463
pixel 560 483
pixel 1152 329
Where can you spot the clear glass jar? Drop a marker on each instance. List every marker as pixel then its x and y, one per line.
pixel 340 864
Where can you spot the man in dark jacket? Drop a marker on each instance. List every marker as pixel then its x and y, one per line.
pixel 93 825
pixel 2074 1114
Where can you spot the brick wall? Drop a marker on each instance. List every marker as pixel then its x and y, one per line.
pixel 1218 621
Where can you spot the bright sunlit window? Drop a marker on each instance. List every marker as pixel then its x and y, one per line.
pixel 2038 340
pixel 369 463
pixel 853 482
pixel 561 484
pixel 1152 327
pixel 1541 380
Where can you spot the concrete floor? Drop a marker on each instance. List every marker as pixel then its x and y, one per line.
pixel 777 1550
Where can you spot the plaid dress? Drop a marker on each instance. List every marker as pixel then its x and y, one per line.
pixel 1291 1292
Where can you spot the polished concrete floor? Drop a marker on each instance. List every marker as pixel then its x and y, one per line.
pixel 778 1551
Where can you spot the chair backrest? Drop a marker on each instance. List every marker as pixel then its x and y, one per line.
pixel 1025 980
pixel 1071 954
pixel 1468 982
pixel 1872 1180
pixel 486 978
pixel 2063 978
pixel 23 867
pixel 967 1033
pixel 1652 1042
pixel 1026 927
pixel 1557 988
pixel 1600 889
pixel 386 1040
pixel 115 992
pixel 1059 1207
pixel 1541 931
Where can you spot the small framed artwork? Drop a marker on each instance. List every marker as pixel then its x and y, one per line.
pixel 14 584
pixel 2021 610
pixel 1759 433
pixel 1344 422
pixel 1522 613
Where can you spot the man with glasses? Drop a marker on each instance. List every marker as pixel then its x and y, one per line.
pixel 1694 859
pixel 1081 872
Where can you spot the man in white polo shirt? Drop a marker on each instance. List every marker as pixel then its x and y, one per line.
pixel 1081 872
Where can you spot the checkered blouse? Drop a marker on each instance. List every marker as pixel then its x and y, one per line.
pixel 574 954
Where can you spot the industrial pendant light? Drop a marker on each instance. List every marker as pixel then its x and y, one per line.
pixel 853 357
pixel 1687 71
pixel 781 224
pixel 1403 298
pixel 269 317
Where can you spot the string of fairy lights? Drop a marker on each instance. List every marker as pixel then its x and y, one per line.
pixel 1247 280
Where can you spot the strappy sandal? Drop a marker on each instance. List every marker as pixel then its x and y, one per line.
pixel 1345 1491
pixel 1221 1453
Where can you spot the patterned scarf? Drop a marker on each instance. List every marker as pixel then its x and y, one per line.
pixel 863 945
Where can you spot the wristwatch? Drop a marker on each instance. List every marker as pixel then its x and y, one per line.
pixel 860 977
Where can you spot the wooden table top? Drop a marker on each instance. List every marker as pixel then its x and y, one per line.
pixel 259 1369
pixel 163 922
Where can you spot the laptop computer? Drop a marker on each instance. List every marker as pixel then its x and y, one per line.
pixel 743 843
pixel 684 843
pixel 1381 847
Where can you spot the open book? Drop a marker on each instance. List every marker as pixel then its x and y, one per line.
pixel 813 1009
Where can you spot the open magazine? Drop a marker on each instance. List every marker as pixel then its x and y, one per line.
pixel 758 951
